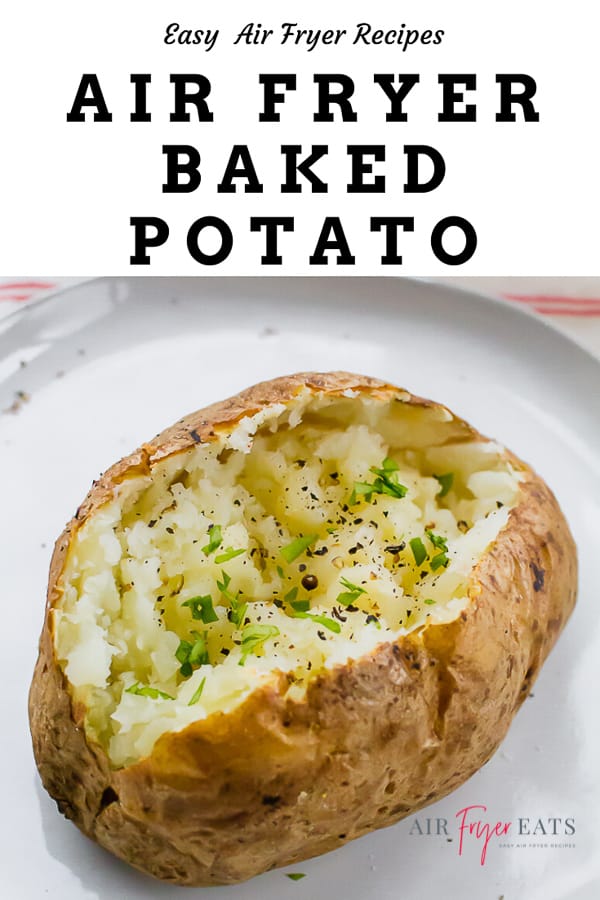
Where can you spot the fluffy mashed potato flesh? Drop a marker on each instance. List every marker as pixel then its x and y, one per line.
pixel 304 538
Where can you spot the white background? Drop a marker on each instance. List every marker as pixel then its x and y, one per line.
pixel 67 190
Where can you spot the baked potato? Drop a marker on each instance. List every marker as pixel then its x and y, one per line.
pixel 297 615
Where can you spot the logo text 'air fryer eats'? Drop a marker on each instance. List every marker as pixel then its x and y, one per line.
pixel 473 824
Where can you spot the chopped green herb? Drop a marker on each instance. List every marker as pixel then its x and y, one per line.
pixel 192 655
pixel 199 652
pixel 254 636
pixel 446 481
pixel 197 693
pixel 280 572
pixel 362 489
pixel 230 553
pixel 295 876
pixel 429 602
pixel 418 549
pixel 223 585
pixel 202 609
pixel 215 539
pixel 238 607
pixel 386 482
pixel 183 651
pixel 300 605
pixel 441 543
pixel 438 561
pixel 297 547
pixel 320 620
pixel 147 691
pixel 346 598
pixel 355 588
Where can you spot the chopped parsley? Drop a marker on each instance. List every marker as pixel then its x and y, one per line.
pixel 297 547
pixel 215 539
pixel 446 481
pixel 295 876
pixel 429 601
pixel 320 620
pixel 418 550
pixel 197 693
pixel 229 553
pixel 147 691
pixel 202 609
pixel 254 636
pixel 386 482
pixel 192 655
pixel 291 595
pixel 352 592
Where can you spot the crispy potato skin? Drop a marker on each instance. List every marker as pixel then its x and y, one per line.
pixel 278 781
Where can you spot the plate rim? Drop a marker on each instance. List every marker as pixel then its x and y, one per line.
pixel 474 294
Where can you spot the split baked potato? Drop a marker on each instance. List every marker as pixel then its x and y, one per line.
pixel 295 616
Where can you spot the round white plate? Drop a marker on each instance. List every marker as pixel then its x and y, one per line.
pixel 108 364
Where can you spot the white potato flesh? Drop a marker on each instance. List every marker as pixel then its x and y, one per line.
pixel 181 596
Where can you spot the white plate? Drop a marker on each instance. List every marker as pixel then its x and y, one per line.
pixel 112 362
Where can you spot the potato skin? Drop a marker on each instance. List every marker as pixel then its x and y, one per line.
pixel 278 781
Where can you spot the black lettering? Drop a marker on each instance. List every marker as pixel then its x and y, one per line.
pixel 271 97
pixel 292 167
pixel 413 154
pixel 327 97
pixel 184 96
pixel 210 259
pixel 332 237
pixel 360 168
pixel 523 98
pixel 396 97
pixel 391 224
pixel 140 112
pixel 170 33
pixel 96 99
pixel 240 165
pixel 437 237
pixel 451 97
pixel 271 224
pixel 182 159
pixel 142 239
pixel 569 826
